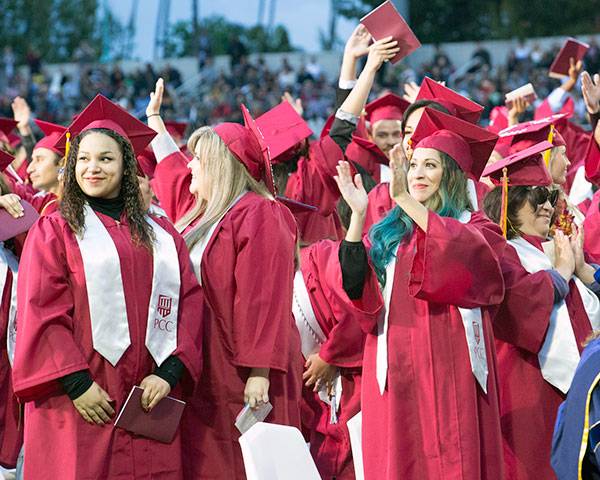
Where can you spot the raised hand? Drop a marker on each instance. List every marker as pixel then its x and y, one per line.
pixel 358 44
pixel 294 102
pixel 576 240
pixel 155 389
pixel 574 69
pixel 352 190
pixel 381 51
pixel 94 405
pixel 398 165
pixel 411 90
pixel 22 114
pixel 590 89
pixel 519 105
pixel 156 98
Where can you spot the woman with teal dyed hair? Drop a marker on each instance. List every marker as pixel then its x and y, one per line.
pixel 430 399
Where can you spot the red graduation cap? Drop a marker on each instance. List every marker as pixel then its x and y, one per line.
pixel 525 167
pixel 7 125
pixel 469 145
pixel 176 128
pixel 545 110
pixel 454 102
pixel 294 206
pixel 524 135
pixel 5 160
pixel 52 133
pixel 147 162
pixel 387 107
pixel 102 113
pixel 282 129
pixel 246 143
pixel 11 227
pixel 385 21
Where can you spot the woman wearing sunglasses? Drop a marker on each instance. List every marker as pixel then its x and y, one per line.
pixel 547 312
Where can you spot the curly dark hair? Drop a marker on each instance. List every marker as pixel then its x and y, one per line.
pixel 73 198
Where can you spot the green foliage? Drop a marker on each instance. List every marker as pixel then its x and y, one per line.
pixel 221 32
pixel 464 20
pixel 53 28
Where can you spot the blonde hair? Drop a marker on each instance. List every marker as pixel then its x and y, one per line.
pixel 228 179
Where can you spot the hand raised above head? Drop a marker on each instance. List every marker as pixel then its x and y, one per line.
pixel 590 89
pixel 351 189
pixel 357 44
pixel 156 98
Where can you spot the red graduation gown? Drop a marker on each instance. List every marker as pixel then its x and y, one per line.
pixel 54 339
pixel 330 443
pixel 11 433
pixel 44 202
pixel 433 420
pixel 313 184
pixel 247 277
pixel 528 403
pixel 591 228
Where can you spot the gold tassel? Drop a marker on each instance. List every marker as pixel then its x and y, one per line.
pixel 504 208
pixel 547 153
pixel 67 148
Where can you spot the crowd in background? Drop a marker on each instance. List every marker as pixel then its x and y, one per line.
pixel 218 94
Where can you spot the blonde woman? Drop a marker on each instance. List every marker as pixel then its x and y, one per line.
pixel 242 246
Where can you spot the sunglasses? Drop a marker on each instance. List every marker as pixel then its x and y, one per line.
pixel 540 195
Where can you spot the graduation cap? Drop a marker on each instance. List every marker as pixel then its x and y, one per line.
pixel 7 125
pixel 294 206
pixel 282 129
pixel 52 133
pixel 454 102
pixel 469 145
pixel 524 135
pixel 147 162
pixel 102 113
pixel 387 107
pixel 525 167
pixel 544 109
pixel 247 144
pixel 5 160
pixel 11 227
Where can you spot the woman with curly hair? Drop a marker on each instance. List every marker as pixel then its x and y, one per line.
pixel 547 312
pixel 107 300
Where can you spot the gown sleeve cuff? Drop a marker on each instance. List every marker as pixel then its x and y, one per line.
pixel 163 145
pixel 171 371
pixel 77 383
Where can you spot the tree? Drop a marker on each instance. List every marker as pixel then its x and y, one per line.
pixel 466 20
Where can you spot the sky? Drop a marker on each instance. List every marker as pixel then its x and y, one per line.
pixel 302 18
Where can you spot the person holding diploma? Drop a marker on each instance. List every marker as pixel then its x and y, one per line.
pixel 107 300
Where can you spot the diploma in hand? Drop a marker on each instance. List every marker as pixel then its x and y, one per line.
pixel 248 417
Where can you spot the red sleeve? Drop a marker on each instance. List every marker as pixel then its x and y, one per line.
pixel 37 199
pixel 191 304
pixel 524 314
pixel 262 309
pixel 323 273
pixel 591 239
pixel 171 184
pixel 45 349
pixel 454 264
pixel 592 161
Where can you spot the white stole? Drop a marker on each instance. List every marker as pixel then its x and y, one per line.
pixel 197 251
pixel 559 354
pixel 106 297
pixel 311 334
pixel 385 174
pixel 472 322
pixel 9 262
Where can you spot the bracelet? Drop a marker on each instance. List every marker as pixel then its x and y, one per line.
pixel 153 115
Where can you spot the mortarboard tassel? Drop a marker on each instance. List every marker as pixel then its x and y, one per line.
pixel 67 148
pixel 547 153
pixel 504 208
